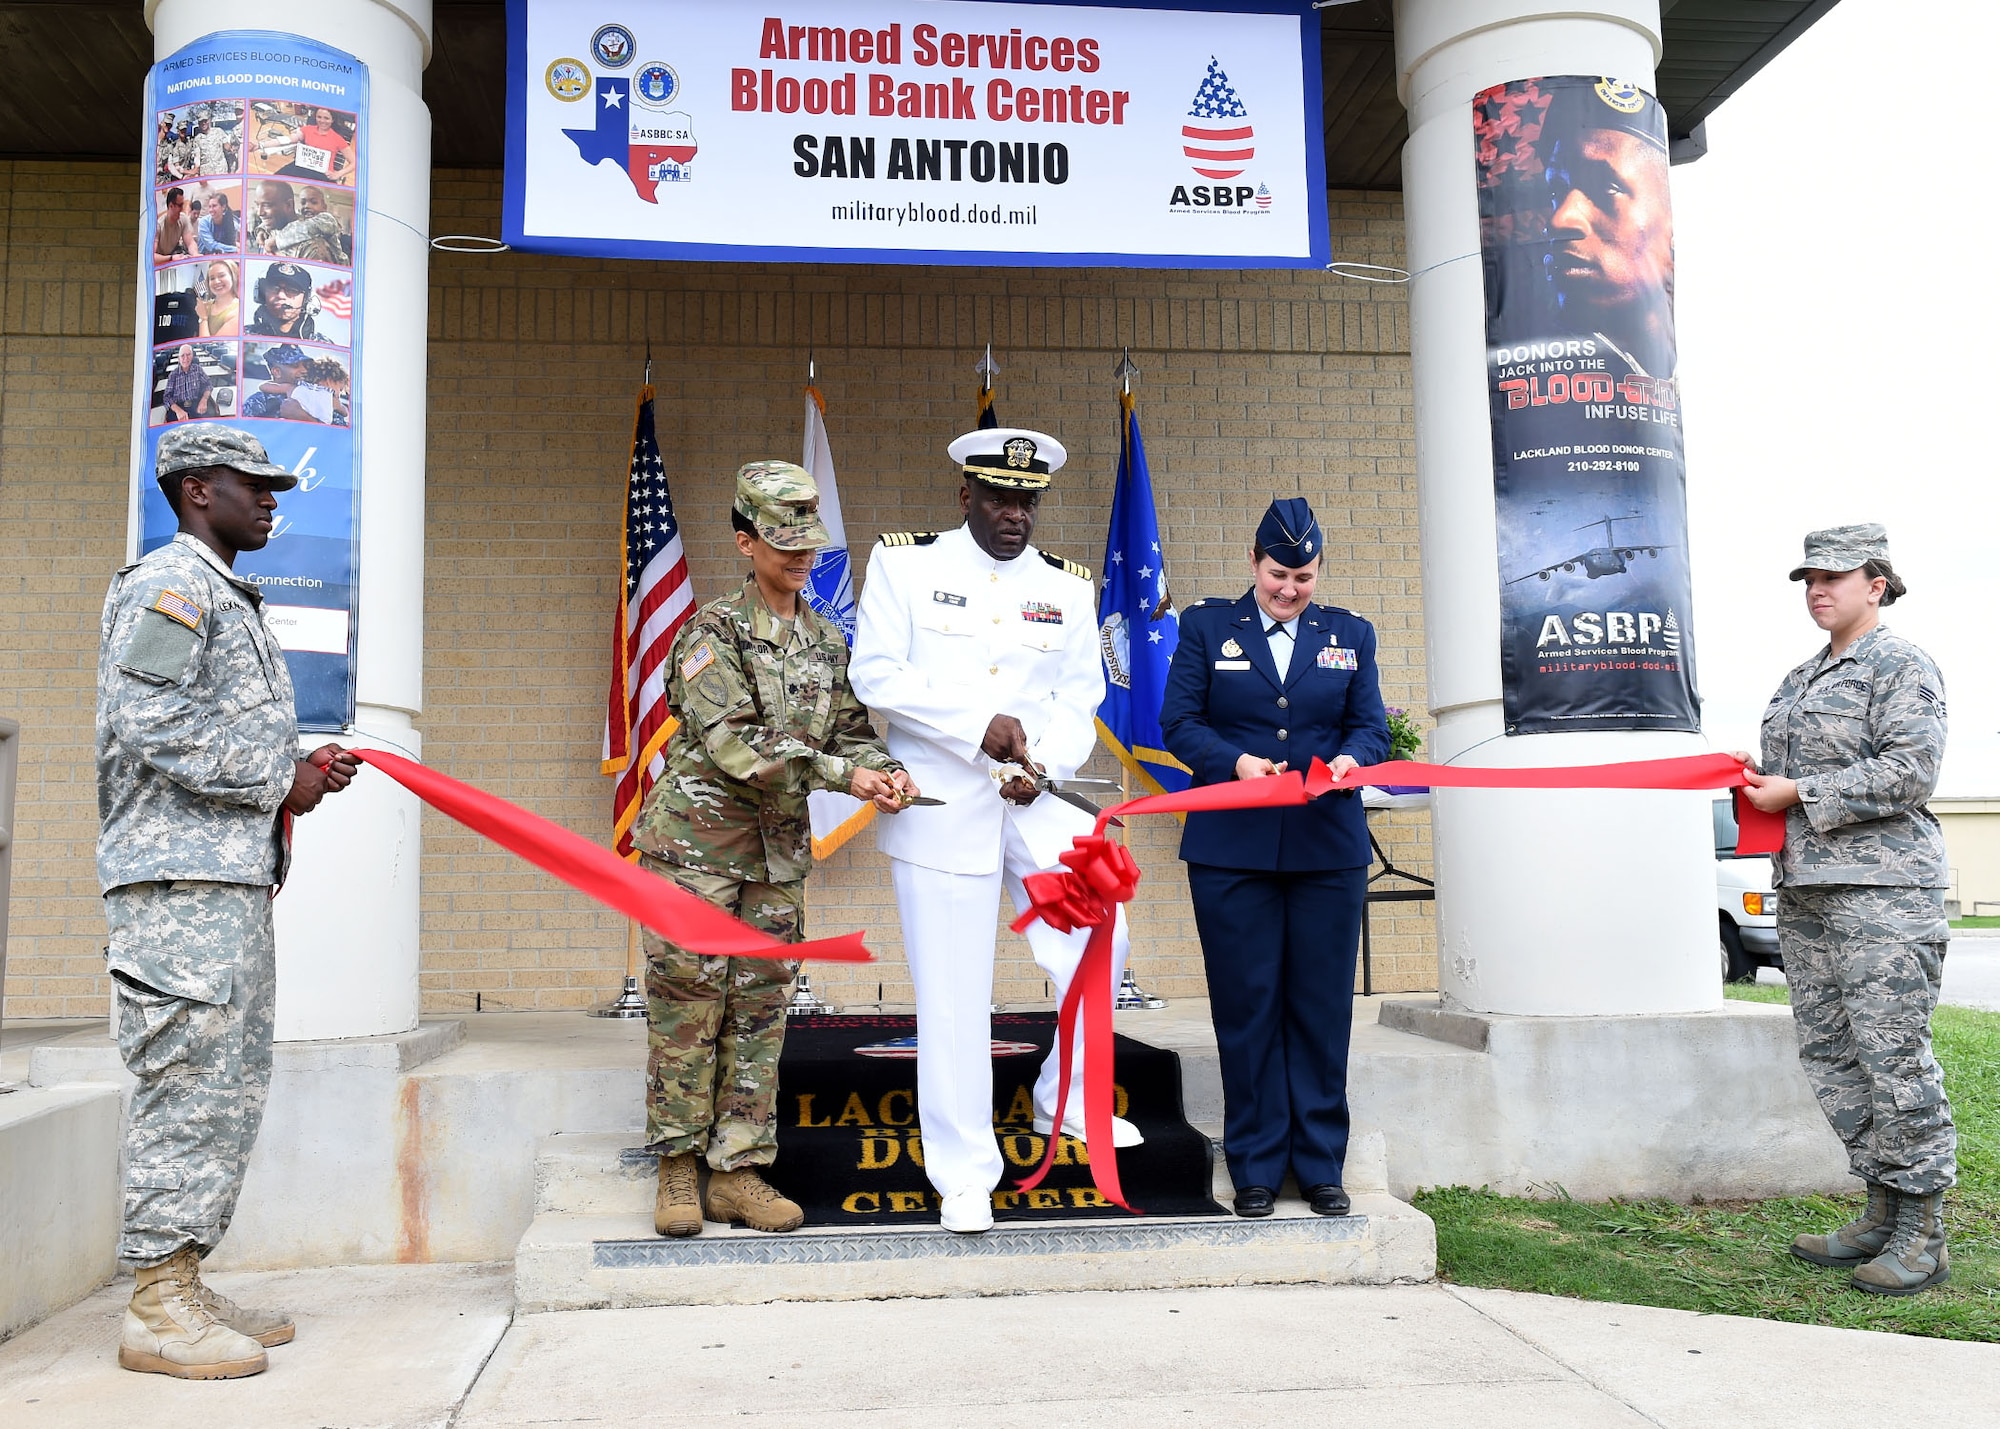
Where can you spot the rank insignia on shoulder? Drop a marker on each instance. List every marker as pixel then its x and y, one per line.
pixel 1231 648
pixel 945 597
pixel 699 659
pixel 1335 657
pixel 1066 567
pixel 1041 612
pixel 175 606
pixel 908 538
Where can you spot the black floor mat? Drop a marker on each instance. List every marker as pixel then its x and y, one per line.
pixel 850 1154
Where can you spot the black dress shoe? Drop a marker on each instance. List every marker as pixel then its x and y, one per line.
pixel 1328 1200
pixel 1255 1201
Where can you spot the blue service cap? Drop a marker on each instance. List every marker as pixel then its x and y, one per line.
pixel 1289 532
pixel 290 354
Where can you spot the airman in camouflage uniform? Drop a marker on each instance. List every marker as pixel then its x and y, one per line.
pixel 197 754
pixel 766 718
pixel 1861 922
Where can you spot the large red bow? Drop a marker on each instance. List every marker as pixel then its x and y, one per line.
pixel 1101 876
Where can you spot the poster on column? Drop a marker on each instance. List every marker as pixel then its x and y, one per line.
pixel 1163 134
pixel 1590 485
pixel 255 197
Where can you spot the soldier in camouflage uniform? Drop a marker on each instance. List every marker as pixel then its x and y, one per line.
pixel 759 682
pixel 1852 742
pixel 197 754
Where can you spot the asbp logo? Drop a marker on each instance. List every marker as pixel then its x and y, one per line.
pixel 1217 136
pixel 1219 141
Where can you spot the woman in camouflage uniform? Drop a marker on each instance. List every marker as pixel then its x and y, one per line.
pixel 1852 743
pixel 759 682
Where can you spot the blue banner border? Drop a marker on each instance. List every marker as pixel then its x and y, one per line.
pixel 1320 237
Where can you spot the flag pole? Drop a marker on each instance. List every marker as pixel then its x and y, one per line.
pixel 804 1001
pixel 630 1004
pixel 1129 994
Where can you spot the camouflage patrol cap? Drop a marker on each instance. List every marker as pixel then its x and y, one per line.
pixel 200 444
pixel 1843 548
pixel 782 501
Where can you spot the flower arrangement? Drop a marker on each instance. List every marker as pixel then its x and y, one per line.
pixel 1406 736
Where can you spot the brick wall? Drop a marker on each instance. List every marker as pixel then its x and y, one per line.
pixel 1252 385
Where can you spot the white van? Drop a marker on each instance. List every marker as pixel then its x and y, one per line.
pixel 1746 908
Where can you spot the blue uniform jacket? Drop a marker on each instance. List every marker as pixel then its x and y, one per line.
pixel 1219 706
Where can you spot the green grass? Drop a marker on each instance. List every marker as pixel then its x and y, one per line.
pixel 1982 922
pixel 1734 1258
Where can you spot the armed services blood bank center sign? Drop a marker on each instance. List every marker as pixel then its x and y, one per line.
pixel 924 131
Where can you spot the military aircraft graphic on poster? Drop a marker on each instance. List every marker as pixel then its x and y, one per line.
pixel 1610 559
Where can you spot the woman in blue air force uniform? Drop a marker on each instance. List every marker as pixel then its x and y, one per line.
pixel 1259 685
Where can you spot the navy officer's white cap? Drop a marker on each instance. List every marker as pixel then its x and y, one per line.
pixel 1013 457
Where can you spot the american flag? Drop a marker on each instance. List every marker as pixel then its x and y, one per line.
pixel 655 599
pixel 1218 136
pixel 337 298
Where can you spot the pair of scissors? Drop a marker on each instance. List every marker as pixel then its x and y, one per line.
pixel 1039 777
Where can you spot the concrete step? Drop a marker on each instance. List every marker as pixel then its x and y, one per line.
pixel 606 1173
pixel 588 1262
pixel 603 1173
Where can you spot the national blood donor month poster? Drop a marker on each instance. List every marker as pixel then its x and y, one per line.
pixel 253 226
pixel 1590 486
pixel 918 131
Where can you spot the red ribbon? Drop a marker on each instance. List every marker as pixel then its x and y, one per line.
pixel 1756 831
pixel 672 912
pixel 1100 875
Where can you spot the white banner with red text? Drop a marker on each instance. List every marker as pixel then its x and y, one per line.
pixel 918 131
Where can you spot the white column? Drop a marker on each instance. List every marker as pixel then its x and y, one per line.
pixel 1551 903
pixel 348 919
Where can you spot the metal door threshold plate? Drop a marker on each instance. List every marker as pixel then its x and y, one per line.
pixel 1003 1241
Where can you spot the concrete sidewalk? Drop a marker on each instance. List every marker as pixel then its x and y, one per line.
pixel 402 1347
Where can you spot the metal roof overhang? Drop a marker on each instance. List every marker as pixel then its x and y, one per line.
pixel 76 70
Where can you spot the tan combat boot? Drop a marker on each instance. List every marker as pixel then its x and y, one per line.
pixel 1860 1240
pixel 266 1327
pixel 1914 1259
pixel 743 1195
pixel 677 1203
pixel 169 1328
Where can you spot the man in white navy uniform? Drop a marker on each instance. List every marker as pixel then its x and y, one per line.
pixel 981 653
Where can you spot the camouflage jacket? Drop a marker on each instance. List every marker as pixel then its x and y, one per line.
pixel 766 718
pixel 1864 736
pixel 196 735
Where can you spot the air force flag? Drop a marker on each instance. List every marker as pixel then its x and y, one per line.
pixel 1137 626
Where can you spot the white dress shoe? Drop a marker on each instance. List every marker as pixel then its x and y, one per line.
pixel 968 1212
pixel 1123 1133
